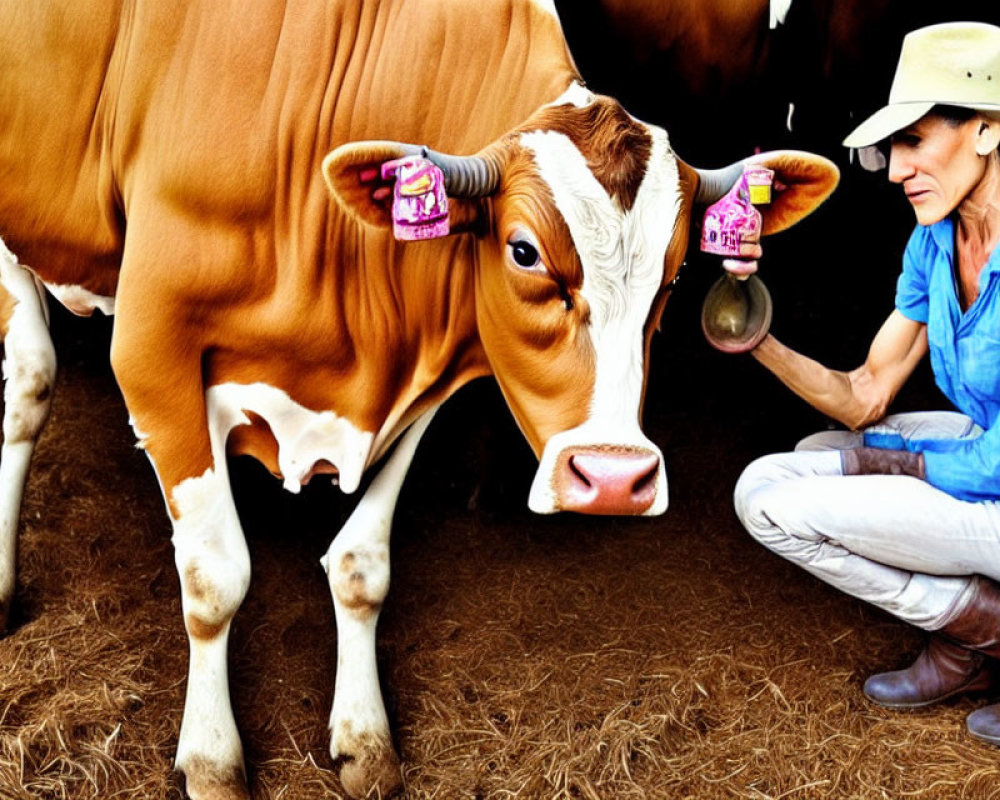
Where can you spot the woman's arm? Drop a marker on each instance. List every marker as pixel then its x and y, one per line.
pixel 861 396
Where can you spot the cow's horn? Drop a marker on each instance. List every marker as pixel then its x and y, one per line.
pixel 466 176
pixel 714 183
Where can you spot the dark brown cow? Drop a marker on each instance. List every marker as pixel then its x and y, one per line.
pixel 728 75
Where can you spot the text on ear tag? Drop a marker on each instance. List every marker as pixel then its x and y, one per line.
pixel 419 201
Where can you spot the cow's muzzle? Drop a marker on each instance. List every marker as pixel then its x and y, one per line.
pixel 622 478
pixel 606 480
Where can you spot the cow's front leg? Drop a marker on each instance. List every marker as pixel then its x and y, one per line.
pixel 184 436
pixel 214 567
pixel 357 565
pixel 29 370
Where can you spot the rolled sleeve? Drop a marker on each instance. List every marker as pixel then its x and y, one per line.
pixel 912 285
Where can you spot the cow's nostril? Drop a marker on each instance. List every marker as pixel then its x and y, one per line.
pixel 579 473
pixel 647 481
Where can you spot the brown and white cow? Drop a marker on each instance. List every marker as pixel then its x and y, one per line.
pixel 203 169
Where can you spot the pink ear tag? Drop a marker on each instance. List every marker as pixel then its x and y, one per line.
pixel 419 202
pixel 736 314
pixel 733 219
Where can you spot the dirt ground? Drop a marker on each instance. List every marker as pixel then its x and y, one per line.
pixel 521 656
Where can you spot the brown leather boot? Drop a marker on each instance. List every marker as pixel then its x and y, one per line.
pixel 985 724
pixel 958 658
pixel 978 627
pixel 942 670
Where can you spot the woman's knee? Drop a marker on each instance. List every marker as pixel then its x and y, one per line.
pixel 772 469
pixel 753 505
pixel 767 498
pixel 753 492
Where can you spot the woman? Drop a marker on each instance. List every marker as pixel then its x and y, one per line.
pixel 904 511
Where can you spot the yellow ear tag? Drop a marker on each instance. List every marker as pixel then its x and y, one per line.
pixel 760 195
pixel 759 183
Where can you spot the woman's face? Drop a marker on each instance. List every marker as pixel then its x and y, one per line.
pixel 937 164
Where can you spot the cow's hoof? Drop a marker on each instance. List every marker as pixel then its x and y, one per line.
pixel 207 781
pixel 371 771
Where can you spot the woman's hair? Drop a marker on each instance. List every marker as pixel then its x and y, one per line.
pixel 953 115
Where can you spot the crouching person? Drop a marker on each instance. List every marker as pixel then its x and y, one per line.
pixel 904 511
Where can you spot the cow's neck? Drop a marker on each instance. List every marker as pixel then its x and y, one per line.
pixel 424 295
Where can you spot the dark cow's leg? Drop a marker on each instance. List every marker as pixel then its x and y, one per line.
pixel 30 371
pixel 357 565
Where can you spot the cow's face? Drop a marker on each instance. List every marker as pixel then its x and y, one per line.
pixel 582 218
pixel 589 225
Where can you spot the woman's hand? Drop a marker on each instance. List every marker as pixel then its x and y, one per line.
pixel 876 461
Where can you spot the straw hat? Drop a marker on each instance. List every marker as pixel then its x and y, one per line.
pixel 955 63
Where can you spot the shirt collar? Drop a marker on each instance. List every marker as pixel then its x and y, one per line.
pixel 943 234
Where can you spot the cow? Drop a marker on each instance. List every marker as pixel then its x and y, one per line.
pixel 211 173
pixel 701 68
pixel 727 75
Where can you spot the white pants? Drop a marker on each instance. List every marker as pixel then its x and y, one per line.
pixel 894 541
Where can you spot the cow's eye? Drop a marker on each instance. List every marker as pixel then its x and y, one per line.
pixel 524 254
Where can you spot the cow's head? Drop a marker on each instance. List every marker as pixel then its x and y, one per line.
pixel 582 217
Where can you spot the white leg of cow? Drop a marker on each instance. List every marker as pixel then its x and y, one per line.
pixel 29 370
pixel 214 567
pixel 357 565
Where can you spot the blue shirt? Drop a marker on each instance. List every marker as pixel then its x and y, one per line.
pixel 965 359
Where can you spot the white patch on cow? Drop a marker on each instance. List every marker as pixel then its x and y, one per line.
pixel 141 437
pixel 548 6
pixel 209 544
pixel 788 118
pixel 305 438
pixel 623 257
pixel 779 10
pixel 29 365
pixel 576 95
pixel 29 371
pixel 80 301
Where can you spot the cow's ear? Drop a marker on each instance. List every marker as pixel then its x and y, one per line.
pixel 353 173
pixel 802 181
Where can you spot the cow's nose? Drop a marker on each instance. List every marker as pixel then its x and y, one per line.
pixel 595 480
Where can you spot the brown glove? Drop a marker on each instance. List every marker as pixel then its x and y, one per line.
pixel 876 461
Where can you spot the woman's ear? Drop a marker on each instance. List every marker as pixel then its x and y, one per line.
pixel 988 137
